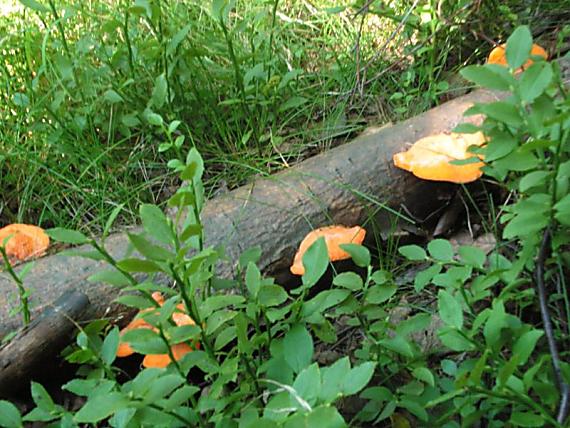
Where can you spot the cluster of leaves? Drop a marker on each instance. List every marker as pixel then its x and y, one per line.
pixel 256 363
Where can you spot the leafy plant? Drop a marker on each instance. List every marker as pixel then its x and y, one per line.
pixel 261 346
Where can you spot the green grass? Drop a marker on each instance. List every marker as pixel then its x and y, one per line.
pixel 256 89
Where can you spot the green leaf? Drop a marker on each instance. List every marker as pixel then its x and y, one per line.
pixel 525 344
pixel 412 405
pixel 155 223
pixel 322 416
pixel 138 265
pixel 333 378
pixel 507 370
pixel 134 301
pixel 519 45
pixel 533 179
pixel 454 340
pixel 111 219
pixel 472 256
pixel 162 387
pixel 182 333
pixel 526 419
pixel 34 5
pixel 450 310
pixel 380 293
pixel 101 407
pixel 250 255
pixel 196 163
pixel 160 91
pixel 440 249
pixel 535 80
pixel 218 319
pixel 298 348
pixel 323 301
pixel 485 77
pixel 67 236
pixel 425 276
pixel 359 254
pixel 42 398
pixel 253 279
pixel 112 277
pixel 503 111
pixel 145 341
pixel 148 249
pixel 517 160
pixel 349 280
pixel 224 337
pixel 466 128
pixel 308 384
pixel 11 417
pixel 496 322
pixel 398 344
pixel 182 198
pixel 315 261
pixel 110 346
pixel 425 375
pixel 112 97
pixel 562 208
pixel 271 295
pixel 358 378
pixel 180 396
pixel 501 145
pixel 413 252
pixel 219 9
pixel 526 223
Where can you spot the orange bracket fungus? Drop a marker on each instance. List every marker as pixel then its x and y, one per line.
pixel 498 56
pixel 158 360
pixel 429 158
pixel 23 241
pixel 334 237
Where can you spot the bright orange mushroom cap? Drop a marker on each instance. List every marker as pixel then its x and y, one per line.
pixel 429 158
pixel 158 360
pixel 24 241
pixel 498 55
pixel 163 360
pixel 334 237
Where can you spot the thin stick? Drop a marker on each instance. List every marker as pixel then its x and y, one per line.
pixel 563 387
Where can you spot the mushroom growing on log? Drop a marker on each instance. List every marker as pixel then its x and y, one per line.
pixel 341 186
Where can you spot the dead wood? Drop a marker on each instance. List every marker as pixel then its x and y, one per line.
pixel 45 336
pixel 351 184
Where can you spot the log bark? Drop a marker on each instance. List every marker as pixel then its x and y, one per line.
pixel 355 183
pixel 45 336
pixel 345 185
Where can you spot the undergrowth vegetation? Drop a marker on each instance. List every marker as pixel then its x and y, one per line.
pixel 499 318
pixel 86 89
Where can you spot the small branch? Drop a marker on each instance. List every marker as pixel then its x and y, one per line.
pixel 563 387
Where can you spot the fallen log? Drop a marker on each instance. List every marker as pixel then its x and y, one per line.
pixel 351 184
pixel 45 336
pixel 338 186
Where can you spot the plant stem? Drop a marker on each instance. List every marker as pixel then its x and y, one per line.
pixel 21 289
pixel 563 387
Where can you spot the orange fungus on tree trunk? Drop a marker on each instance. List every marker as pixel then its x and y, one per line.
pixel 429 158
pixel 334 237
pixel 23 241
